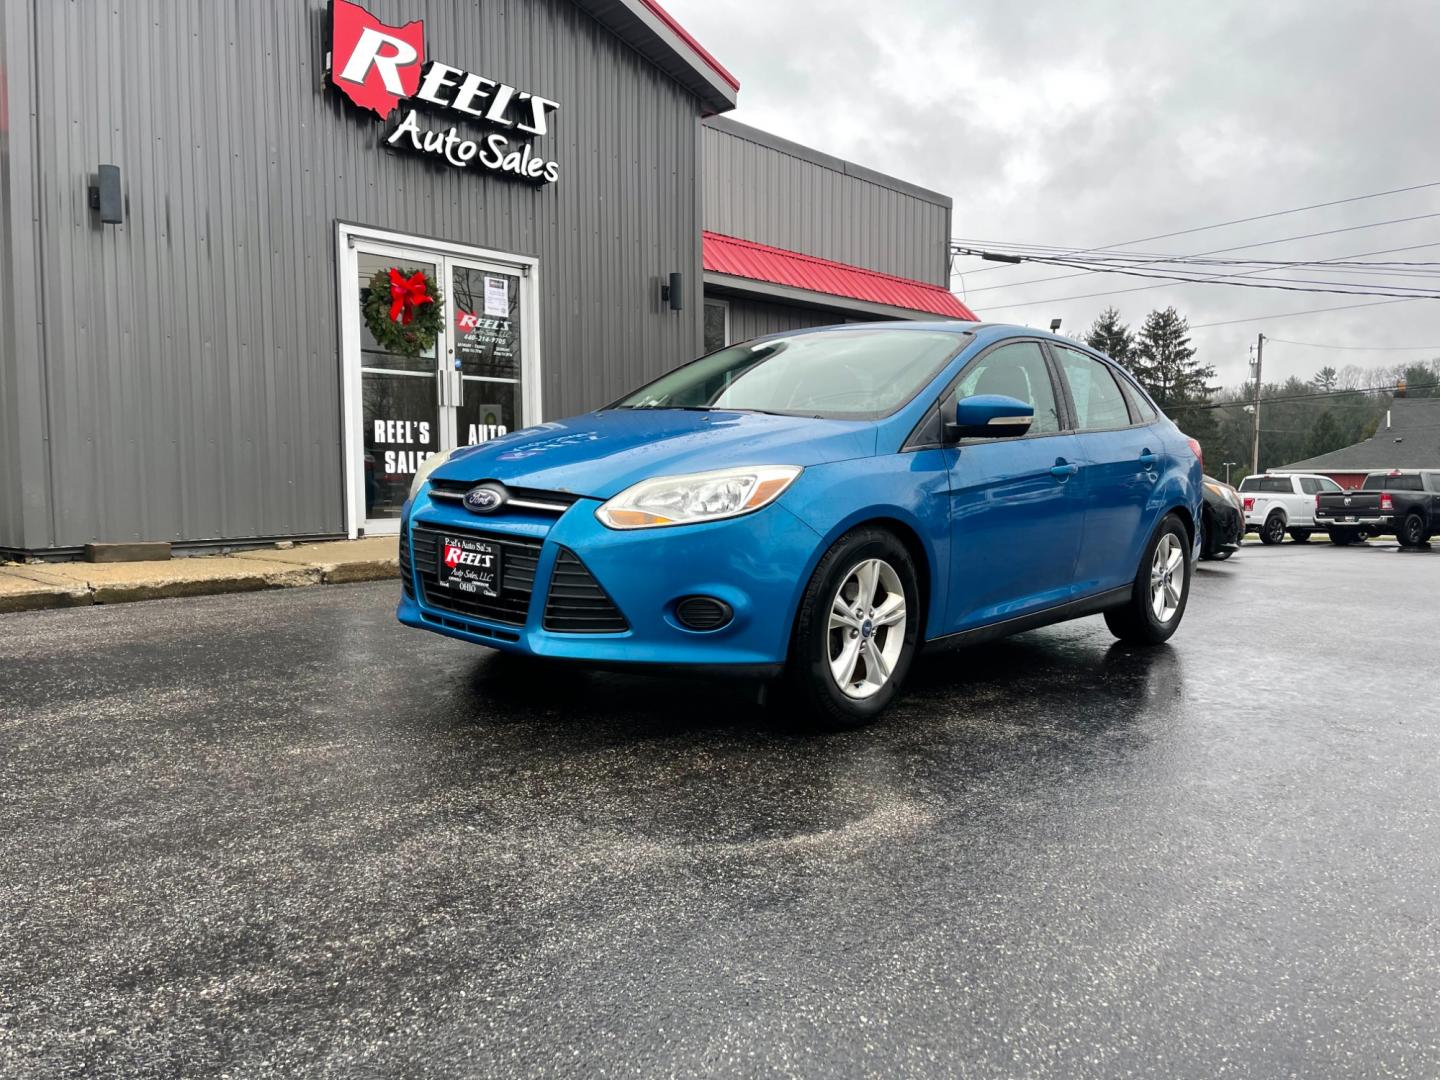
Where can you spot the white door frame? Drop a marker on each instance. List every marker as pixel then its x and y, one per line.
pixel 348 238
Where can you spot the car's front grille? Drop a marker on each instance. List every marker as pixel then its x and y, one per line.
pixel 522 500
pixel 519 556
pixel 577 604
pixel 407 576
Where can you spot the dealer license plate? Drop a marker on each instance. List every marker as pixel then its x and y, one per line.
pixel 468 565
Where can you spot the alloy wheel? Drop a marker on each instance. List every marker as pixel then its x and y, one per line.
pixel 867 628
pixel 1167 577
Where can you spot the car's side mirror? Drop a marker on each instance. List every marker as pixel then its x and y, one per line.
pixel 990 416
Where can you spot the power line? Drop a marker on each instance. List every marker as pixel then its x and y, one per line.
pixel 1308 311
pixel 1215 251
pixel 1343 288
pixel 1246 220
pixel 1388 388
pixel 1341 264
pixel 1357 348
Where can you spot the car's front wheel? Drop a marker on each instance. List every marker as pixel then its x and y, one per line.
pixel 856 632
pixel 1161 589
pixel 1300 536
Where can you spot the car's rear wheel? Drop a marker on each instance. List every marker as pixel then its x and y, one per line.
pixel 1300 536
pixel 856 632
pixel 1411 532
pixel 1273 531
pixel 1161 589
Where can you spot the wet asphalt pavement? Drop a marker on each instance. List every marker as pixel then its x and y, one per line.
pixel 280 835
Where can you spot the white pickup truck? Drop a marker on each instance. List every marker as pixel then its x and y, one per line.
pixel 1277 503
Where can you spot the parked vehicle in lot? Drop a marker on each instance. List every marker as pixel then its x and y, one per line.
pixel 1402 502
pixel 1277 503
pixel 1223 520
pixel 817 506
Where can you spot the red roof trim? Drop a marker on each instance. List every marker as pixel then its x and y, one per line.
pixel 761 262
pixel 695 46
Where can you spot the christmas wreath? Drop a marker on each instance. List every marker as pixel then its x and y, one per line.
pixel 404 314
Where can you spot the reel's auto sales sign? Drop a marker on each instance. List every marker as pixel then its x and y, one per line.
pixel 379 67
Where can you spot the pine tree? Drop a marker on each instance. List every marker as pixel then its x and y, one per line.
pixel 1112 337
pixel 1327 379
pixel 1164 361
pixel 1325 436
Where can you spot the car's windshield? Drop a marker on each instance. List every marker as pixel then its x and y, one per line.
pixel 852 374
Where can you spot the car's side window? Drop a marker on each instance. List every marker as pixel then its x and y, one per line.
pixel 1328 485
pixel 1309 486
pixel 1099 405
pixel 1143 408
pixel 1016 370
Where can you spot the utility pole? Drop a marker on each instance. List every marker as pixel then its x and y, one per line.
pixel 1255 439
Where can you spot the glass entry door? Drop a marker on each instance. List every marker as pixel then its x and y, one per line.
pixel 486 346
pixel 469 387
pixel 400 405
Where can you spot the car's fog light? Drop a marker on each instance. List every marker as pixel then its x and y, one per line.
pixel 703 613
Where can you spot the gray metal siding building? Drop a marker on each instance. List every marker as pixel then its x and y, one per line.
pixel 200 371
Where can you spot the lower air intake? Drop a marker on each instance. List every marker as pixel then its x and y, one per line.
pixel 576 603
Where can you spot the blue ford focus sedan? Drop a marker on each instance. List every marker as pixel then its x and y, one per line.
pixel 814 507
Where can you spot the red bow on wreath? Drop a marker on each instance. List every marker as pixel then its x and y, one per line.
pixel 406 295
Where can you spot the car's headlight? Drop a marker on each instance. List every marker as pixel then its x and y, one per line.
pixel 428 466
pixel 696 497
pixel 1218 492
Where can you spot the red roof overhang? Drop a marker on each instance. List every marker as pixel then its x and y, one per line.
pixel 760 262
pixel 695 46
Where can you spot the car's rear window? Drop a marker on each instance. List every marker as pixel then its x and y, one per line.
pixel 1271 484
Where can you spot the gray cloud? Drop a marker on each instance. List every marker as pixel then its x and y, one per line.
pixel 1090 123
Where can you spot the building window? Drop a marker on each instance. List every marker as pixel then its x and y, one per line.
pixel 717 324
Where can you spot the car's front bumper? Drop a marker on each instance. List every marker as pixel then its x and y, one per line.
pixel 756 564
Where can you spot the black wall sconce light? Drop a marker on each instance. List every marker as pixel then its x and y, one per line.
pixel 673 293
pixel 105 195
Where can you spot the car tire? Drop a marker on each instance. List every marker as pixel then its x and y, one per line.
pixel 1273 531
pixel 1138 621
pixel 1300 536
pixel 1343 537
pixel 1411 532
pixel 820 645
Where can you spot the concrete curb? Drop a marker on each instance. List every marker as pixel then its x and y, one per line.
pixel 35 586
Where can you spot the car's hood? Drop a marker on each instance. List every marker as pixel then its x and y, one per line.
pixel 602 453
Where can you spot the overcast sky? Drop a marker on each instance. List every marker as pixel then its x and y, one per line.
pixel 1086 123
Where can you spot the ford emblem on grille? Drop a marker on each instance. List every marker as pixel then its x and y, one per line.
pixel 485 499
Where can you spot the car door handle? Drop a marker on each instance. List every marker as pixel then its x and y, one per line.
pixel 1148 459
pixel 1062 471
